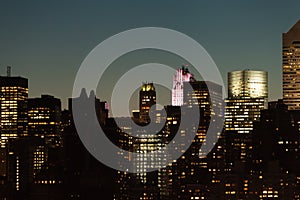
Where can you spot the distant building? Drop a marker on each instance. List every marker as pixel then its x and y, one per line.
pixel 13 102
pixel 182 75
pixel 13 112
pixel 207 97
pixel 44 118
pixel 20 164
pixel 275 159
pixel 183 180
pixel 247 95
pixel 81 169
pixel 101 108
pixel 276 137
pixel 291 67
pixel 147 99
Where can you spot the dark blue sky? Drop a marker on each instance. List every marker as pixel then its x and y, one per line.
pixel 47 41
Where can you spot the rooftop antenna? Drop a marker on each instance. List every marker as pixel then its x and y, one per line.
pixel 8 71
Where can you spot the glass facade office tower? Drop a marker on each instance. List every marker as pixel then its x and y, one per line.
pixel 247 95
pixel 291 67
pixel 248 83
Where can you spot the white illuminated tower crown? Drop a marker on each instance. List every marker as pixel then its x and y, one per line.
pixel 182 75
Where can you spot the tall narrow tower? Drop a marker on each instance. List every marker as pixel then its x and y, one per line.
pixel 147 99
pixel 182 75
pixel 291 67
pixel 13 113
pixel 13 106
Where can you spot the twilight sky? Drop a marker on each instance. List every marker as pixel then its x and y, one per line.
pixel 47 41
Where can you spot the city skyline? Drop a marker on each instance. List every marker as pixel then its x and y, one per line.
pixel 52 46
pixel 32 158
pixel 157 100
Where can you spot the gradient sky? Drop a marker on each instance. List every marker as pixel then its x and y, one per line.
pixel 47 41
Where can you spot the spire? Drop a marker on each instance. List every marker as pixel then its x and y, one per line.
pixel 8 71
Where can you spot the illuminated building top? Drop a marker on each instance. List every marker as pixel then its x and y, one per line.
pixel 147 100
pixel 248 83
pixel 182 75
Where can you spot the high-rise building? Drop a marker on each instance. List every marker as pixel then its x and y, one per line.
pixel 275 158
pixel 44 116
pixel 147 99
pixel 248 83
pixel 21 163
pixel 44 120
pixel 291 67
pixel 183 175
pixel 247 95
pixel 142 185
pixel 101 108
pixel 276 137
pixel 13 113
pixel 203 94
pixel 13 102
pixel 82 170
pixel 207 96
pixel 182 75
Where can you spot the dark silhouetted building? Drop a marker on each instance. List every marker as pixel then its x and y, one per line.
pixel 44 119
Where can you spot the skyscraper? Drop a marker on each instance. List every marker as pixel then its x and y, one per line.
pixel 207 96
pixel 13 102
pixel 247 95
pixel 183 175
pixel 182 75
pixel 44 118
pixel 13 112
pixel 291 67
pixel 147 99
pixel 141 185
pixel 275 154
pixel 44 115
pixel 248 83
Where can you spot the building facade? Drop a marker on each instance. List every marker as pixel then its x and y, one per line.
pixel 247 95
pixel 182 75
pixel 291 67
pixel 13 113
pixel 147 99
pixel 13 102
pixel 44 117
